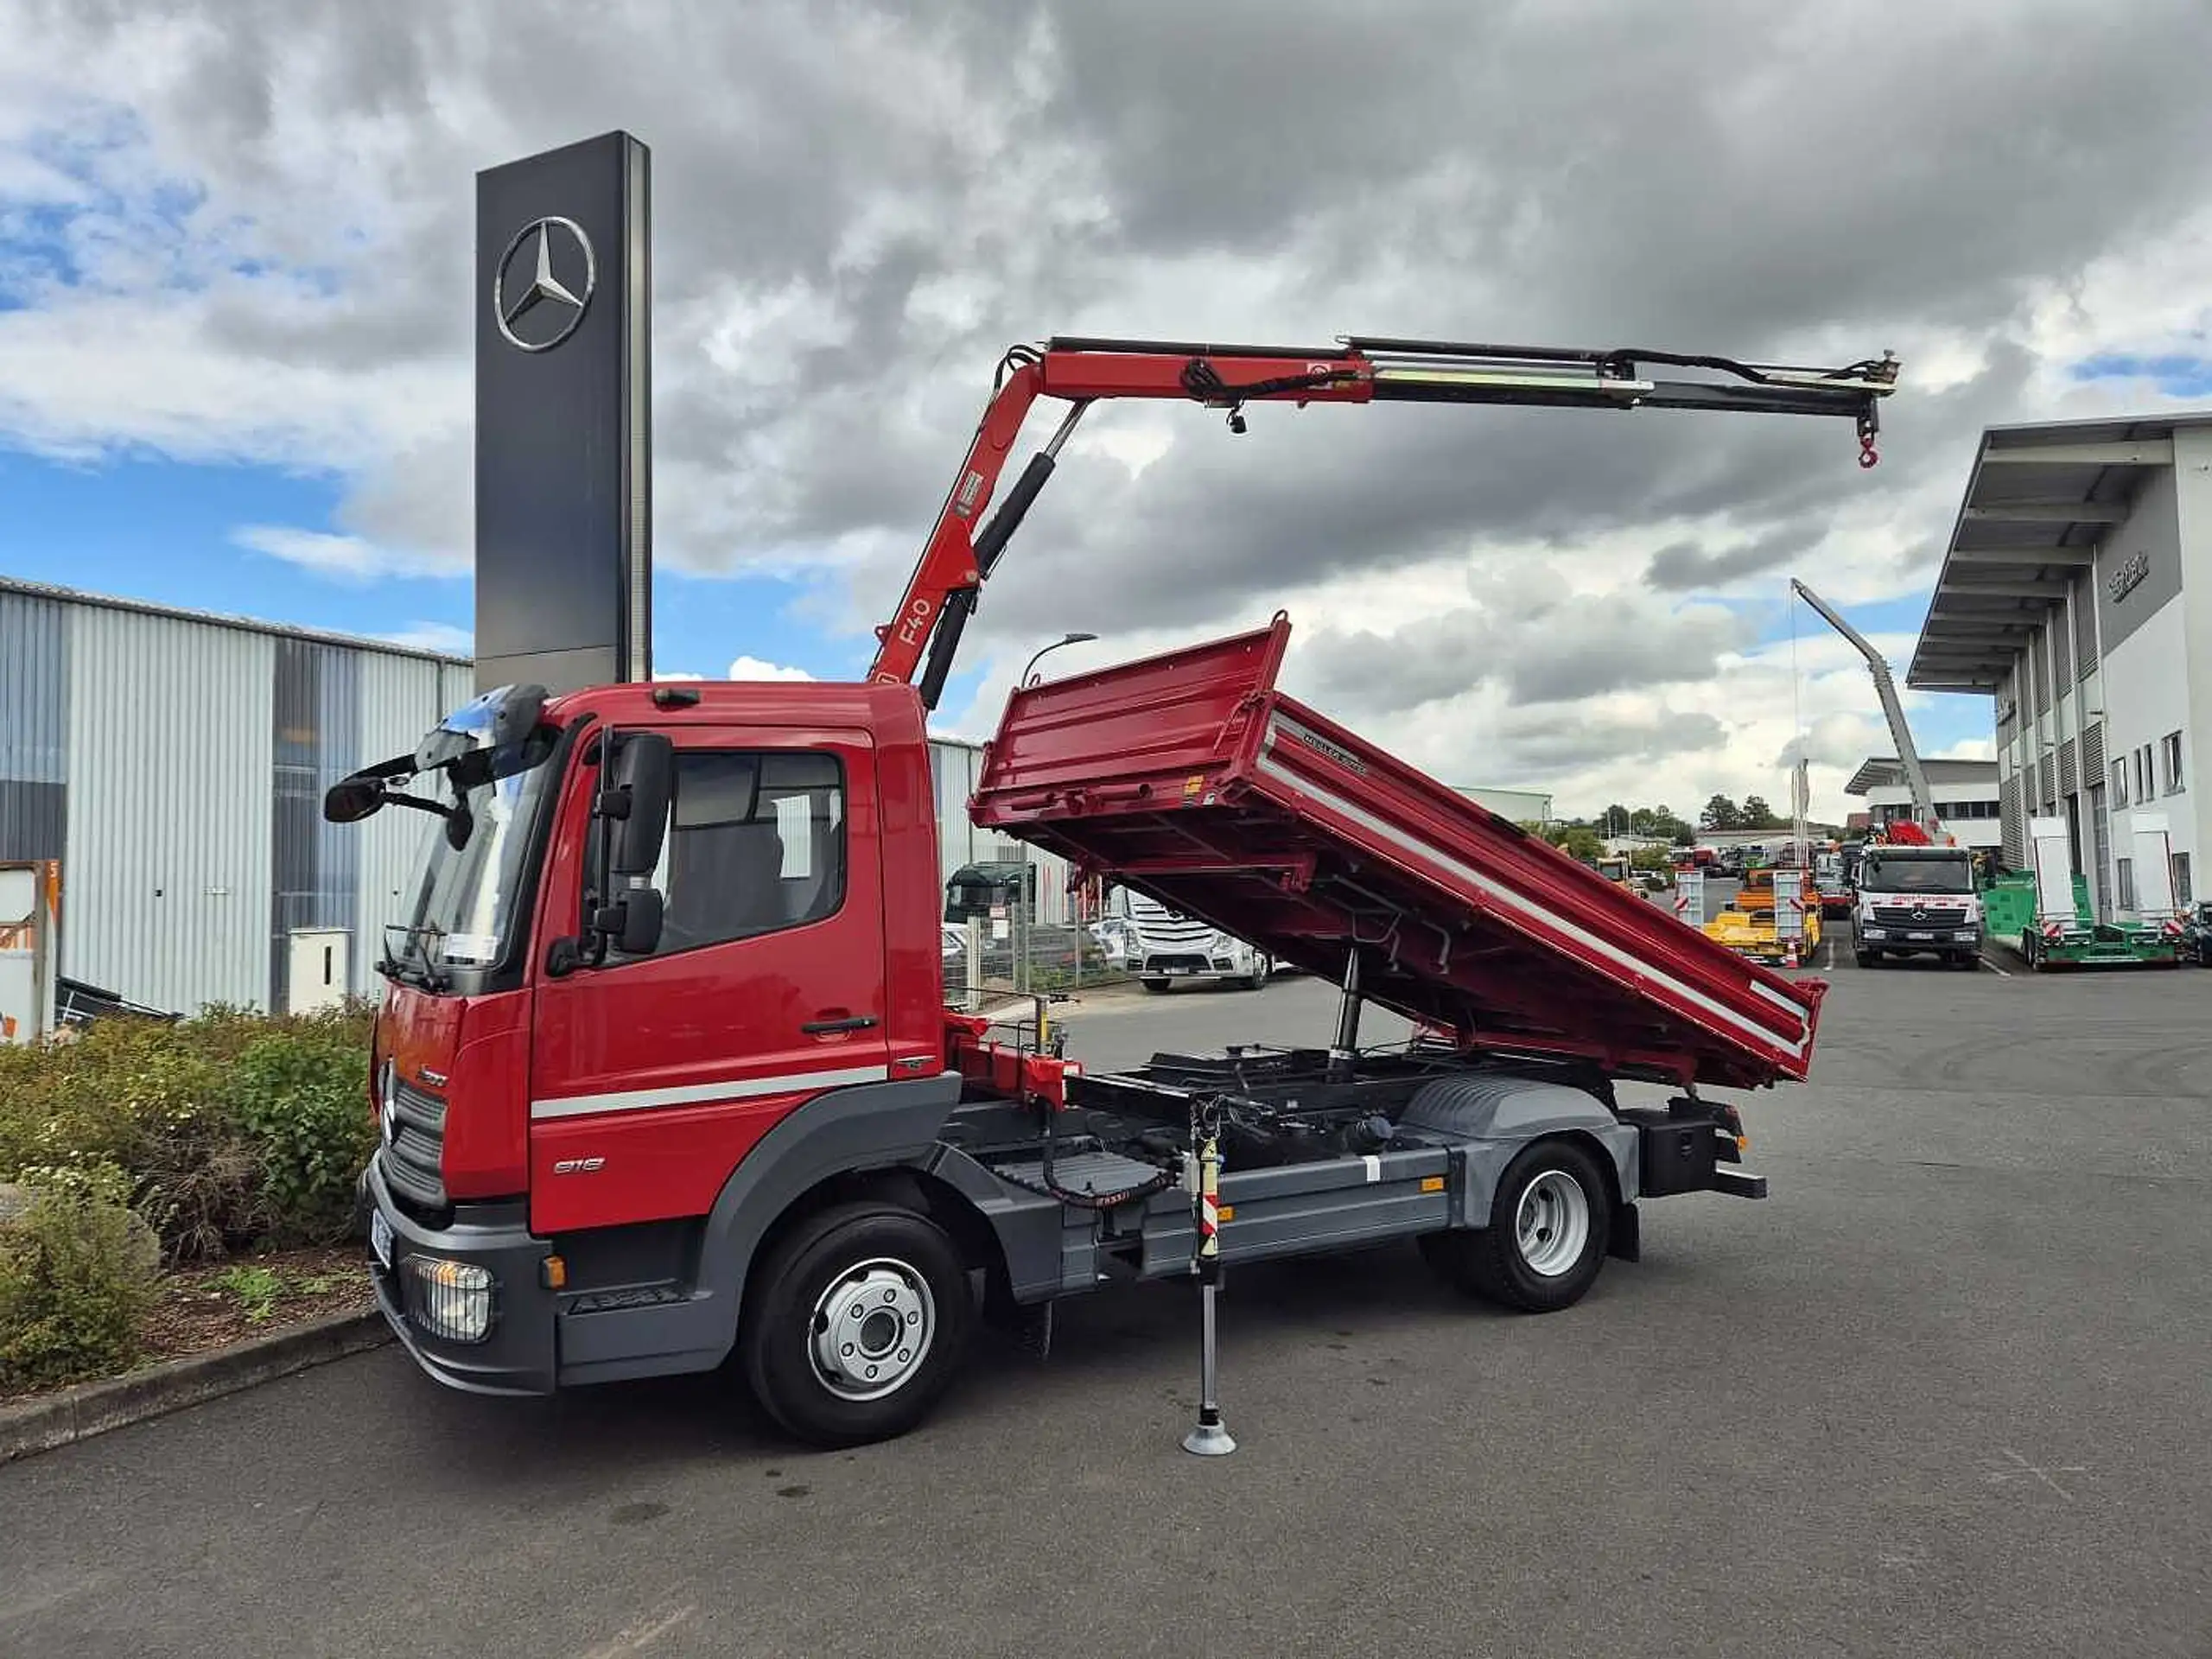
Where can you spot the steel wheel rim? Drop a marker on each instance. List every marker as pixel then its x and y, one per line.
pixel 1552 1223
pixel 871 1328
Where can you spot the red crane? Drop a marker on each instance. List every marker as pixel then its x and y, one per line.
pixel 923 633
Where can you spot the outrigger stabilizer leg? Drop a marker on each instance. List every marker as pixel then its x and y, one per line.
pixel 1210 1438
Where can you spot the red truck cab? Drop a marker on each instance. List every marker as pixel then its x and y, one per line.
pixel 560 1117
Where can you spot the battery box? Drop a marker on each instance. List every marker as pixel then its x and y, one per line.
pixel 1677 1151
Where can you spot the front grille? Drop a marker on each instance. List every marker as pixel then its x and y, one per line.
pixel 1902 915
pixel 414 1157
pixel 1184 933
pixel 1161 960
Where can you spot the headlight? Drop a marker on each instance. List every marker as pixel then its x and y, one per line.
pixel 449 1300
pixel 1870 932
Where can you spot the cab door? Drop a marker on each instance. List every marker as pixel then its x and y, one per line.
pixel 653 1076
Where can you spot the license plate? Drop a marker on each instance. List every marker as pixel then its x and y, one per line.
pixel 1921 936
pixel 380 1237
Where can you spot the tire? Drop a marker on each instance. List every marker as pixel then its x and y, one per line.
pixel 1516 1260
pixel 1864 958
pixel 1153 987
pixel 856 1265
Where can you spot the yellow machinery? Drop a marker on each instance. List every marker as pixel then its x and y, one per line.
pixel 1747 926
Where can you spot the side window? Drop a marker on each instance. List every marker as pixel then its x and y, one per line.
pixel 756 844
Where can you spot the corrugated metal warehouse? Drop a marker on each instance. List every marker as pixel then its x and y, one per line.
pixel 174 762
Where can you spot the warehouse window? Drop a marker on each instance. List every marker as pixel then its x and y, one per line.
pixel 2118 783
pixel 2169 755
pixel 2126 873
pixel 2182 900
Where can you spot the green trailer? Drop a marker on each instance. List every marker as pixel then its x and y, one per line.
pixel 2027 911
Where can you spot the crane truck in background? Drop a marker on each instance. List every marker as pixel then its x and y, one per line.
pixel 662 1073
pixel 1915 892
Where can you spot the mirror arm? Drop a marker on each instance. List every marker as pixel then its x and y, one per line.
pixel 390 798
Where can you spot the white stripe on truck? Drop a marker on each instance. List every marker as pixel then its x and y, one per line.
pixel 694 1094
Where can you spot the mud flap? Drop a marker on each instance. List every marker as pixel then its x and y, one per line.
pixel 1625 1241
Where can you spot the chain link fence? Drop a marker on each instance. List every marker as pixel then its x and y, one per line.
pixel 1008 950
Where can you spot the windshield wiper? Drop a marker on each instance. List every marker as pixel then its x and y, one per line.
pixel 427 973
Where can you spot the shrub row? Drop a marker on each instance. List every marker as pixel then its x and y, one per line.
pixel 136 1143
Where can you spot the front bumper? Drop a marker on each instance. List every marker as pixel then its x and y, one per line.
pixel 1922 939
pixel 517 1356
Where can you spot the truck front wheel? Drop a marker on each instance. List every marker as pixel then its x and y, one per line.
pixel 861 1317
pixel 1549 1223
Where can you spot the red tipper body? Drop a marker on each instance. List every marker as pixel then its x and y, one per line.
pixel 1190 778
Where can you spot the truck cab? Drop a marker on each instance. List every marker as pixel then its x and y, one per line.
pixel 1169 946
pixel 1916 900
pixel 607 991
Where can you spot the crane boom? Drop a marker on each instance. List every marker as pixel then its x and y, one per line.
pixel 1923 803
pixel 924 633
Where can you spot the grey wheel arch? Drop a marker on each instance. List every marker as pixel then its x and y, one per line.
pixel 1494 1119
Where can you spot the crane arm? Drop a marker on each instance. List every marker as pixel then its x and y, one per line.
pixel 1923 803
pixel 923 633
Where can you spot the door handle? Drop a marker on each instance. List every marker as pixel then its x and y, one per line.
pixel 852 1022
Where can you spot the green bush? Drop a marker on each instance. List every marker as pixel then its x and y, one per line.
pixel 233 1128
pixel 75 1282
pixel 302 1105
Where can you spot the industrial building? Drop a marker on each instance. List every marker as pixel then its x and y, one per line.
pixel 1966 797
pixel 174 763
pixel 2076 592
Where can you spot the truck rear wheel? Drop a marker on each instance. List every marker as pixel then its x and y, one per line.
pixel 1549 1224
pixel 861 1317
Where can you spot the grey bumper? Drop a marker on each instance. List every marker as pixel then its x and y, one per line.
pixel 517 1356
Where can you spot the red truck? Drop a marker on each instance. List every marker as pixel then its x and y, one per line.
pixel 663 1070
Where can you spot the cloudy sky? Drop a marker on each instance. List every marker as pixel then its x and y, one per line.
pixel 235 293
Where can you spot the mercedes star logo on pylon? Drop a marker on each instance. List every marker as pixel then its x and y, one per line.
pixel 543 283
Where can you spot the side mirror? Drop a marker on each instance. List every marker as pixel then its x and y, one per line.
pixel 643 911
pixel 351 799
pixel 636 800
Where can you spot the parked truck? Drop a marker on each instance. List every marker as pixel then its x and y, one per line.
pixel 1916 901
pixel 662 1073
pixel 1170 946
pixel 1775 916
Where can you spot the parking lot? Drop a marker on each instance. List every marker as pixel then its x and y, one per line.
pixel 1946 1392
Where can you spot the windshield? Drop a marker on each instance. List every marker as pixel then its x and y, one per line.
pixel 1880 874
pixel 466 902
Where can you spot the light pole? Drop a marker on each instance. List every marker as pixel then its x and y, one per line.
pixel 1067 639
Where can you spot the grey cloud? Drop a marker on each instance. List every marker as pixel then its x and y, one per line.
pixel 1697 176
pixel 1536 642
pixel 1684 567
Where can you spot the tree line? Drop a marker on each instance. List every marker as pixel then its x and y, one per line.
pixel 1585 838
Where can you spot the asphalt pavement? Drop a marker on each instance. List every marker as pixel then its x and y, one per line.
pixel 1946 1392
